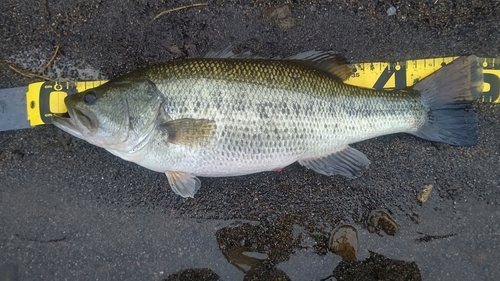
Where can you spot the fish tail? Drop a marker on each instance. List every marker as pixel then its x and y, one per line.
pixel 448 97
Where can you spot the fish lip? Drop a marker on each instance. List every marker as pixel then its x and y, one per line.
pixel 84 117
pixel 66 124
pixel 78 122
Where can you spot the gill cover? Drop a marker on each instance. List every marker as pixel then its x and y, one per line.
pixel 114 115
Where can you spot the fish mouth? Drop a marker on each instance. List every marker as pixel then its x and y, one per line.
pixel 78 122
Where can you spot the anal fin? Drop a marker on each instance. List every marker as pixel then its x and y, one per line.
pixel 183 184
pixel 347 162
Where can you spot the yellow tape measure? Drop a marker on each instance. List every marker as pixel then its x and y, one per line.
pixel 399 75
pixel 44 99
pixel 47 98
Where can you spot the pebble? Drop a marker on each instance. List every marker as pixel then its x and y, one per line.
pixel 391 11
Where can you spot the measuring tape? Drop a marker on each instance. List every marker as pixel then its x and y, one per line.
pixel 44 99
pixel 400 75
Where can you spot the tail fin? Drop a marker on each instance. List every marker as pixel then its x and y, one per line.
pixel 449 96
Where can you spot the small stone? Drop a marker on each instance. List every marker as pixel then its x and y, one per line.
pixel 391 11
pixel 344 242
pixel 424 195
pixel 281 16
pixel 381 221
pixel 176 50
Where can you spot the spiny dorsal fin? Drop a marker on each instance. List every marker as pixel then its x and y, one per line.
pixel 330 62
pixel 187 131
pixel 227 53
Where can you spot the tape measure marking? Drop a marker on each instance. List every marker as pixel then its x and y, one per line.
pixel 44 99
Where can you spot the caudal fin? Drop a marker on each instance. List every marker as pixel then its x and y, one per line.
pixel 449 96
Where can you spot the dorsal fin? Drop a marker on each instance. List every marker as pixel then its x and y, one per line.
pixel 330 62
pixel 227 53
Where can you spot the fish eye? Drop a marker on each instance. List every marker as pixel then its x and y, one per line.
pixel 89 97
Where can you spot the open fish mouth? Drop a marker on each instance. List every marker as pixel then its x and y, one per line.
pixel 77 122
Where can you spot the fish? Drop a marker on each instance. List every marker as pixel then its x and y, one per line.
pixel 230 115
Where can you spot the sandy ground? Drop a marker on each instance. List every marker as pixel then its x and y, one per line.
pixel 71 211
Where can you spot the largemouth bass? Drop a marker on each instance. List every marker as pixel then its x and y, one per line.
pixel 226 115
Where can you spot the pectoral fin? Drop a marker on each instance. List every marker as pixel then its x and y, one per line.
pixel 347 162
pixel 188 131
pixel 183 184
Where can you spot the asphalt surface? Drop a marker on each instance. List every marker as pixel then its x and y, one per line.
pixel 72 211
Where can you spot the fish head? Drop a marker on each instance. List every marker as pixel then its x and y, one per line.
pixel 117 115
